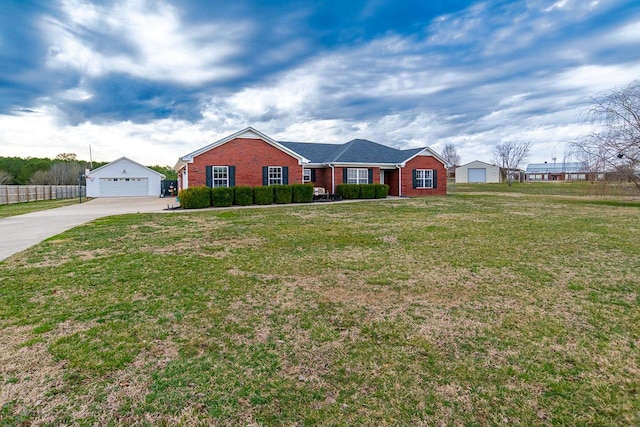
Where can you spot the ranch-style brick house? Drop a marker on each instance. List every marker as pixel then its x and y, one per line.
pixel 251 158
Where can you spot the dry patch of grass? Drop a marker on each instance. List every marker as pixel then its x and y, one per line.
pixel 457 310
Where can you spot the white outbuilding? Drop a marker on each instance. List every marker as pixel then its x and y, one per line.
pixel 478 172
pixel 123 178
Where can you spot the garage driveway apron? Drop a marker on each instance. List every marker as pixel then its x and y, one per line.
pixel 20 232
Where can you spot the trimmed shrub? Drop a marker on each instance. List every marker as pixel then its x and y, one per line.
pixel 195 197
pixel 243 196
pixel 348 191
pixel 221 197
pixel 367 191
pixel 263 195
pixel 282 194
pixel 302 193
pixel 382 190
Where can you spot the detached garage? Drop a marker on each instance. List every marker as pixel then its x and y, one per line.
pixel 123 178
pixel 477 172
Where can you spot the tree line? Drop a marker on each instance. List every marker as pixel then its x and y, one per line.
pixel 64 169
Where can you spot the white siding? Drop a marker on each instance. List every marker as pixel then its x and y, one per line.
pixel 491 172
pixel 123 178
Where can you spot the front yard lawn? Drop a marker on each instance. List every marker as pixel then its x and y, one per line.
pixel 461 310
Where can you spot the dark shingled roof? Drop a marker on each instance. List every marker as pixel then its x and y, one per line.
pixel 355 151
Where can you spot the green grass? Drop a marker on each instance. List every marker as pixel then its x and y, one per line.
pixel 554 188
pixel 472 309
pixel 28 207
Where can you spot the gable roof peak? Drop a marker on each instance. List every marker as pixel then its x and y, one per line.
pixel 249 133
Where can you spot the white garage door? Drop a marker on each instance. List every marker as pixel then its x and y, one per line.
pixel 477 175
pixel 121 187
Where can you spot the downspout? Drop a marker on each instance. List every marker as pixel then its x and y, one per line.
pixel 399 180
pixel 333 178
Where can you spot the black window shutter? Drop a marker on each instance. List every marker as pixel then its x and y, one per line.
pixel 344 175
pixel 232 176
pixel 435 178
pixel 265 175
pixel 285 175
pixel 209 175
pixel 415 180
pixel 313 175
pixel 370 180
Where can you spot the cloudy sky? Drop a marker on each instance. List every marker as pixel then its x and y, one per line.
pixel 156 79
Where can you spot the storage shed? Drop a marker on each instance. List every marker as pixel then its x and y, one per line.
pixel 123 178
pixel 478 172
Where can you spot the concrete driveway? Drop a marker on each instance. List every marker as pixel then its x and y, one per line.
pixel 18 233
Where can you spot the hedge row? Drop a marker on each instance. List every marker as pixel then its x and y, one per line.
pixel 362 191
pixel 204 197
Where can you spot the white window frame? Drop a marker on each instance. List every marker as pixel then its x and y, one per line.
pixel 274 175
pixel 306 175
pixel 219 176
pixel 357 176
pixel 424 178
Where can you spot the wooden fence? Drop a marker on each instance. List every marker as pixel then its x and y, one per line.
pixel 31 193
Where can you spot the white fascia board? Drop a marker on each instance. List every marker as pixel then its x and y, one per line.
pixel 477 161
pixel 182 162
pixel 110 164
pixel 249 133
pixel 361 165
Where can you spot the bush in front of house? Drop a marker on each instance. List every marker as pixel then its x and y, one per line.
pixel 367 191
pixel 243 196
pixel 282 194
pixel 263 195
pixel 381 190
pixel 348 191
pixel 195 198
pixel 221 197
pixel 302 193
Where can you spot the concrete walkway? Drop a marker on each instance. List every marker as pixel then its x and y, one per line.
pixel 20 232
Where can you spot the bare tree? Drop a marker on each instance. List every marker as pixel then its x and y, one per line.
pixel 40 177
pixel 65 173
pixel 615 141
pixel 450 155
pixel 509 155
pixel 5 177
pixel 60 173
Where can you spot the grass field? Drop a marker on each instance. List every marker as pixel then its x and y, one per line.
pixel 553 188
pixel 470 309
pixel 28 207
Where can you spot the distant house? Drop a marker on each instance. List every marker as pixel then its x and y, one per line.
pixel 478 172
pixel 565 171
pixel 123 178
pixel 251 158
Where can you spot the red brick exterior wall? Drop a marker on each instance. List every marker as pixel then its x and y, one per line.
pixel 424 162
pixel 323 179
pixel 391 179
pixel 248 156
pixel 391 176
